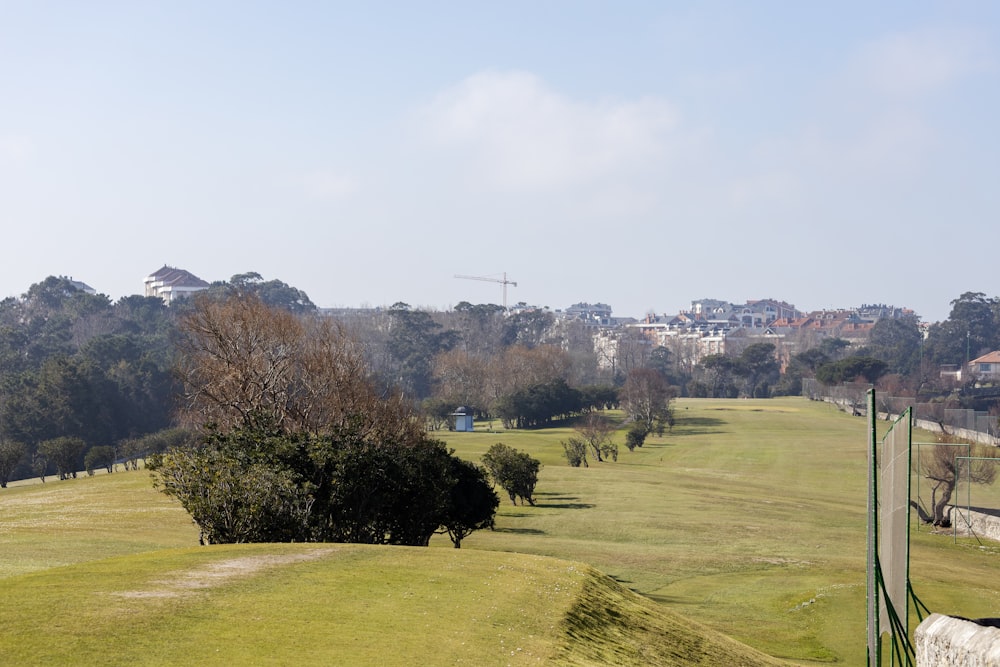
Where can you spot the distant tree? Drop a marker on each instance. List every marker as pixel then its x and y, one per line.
pixel 811 359
pixel 759 369
pixel 11 454
pixel 516 472
pixel 596 431
pixel 575 451
pixel 132 450
pixel 599 397
pixel 59 399
pixel 943 468
pixel 538 405
pixel 520 367
pixel 243 363
pixel 719 371
pixel 661 361
pixel 897 342
pixel 65 453
pixel 100 456
pixel 529 328
pixel 39 465
pixel 472 503
pixel 851 368
pixel 481 328
pixel 438 413
pixel 461 378
pixel 636 435
pixel 634 350
pixel 972 329
pixel 647 398
pixel 834 348
pixel 800 366
pixel 415 339
pixel 273 293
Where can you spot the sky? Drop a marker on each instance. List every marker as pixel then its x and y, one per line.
pixel 639 154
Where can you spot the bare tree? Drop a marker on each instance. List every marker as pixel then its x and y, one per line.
pixel 596 430
pixel 945 466
pixel 520 367
pixel 245 364
pixel 461 379
pixel 647 398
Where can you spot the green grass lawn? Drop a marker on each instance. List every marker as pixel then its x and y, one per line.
pixel 343 605
pixel 747 520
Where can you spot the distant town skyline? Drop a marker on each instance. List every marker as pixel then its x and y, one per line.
pixel 638 153
pixel 171 282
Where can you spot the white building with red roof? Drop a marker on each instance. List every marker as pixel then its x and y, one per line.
pixel 170 284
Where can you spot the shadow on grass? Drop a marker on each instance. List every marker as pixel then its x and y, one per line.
pixel 668 599
pixel 520 531
pixel 553 500
pixel 697 425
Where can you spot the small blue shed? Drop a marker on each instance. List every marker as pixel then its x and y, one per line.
pixel 463 418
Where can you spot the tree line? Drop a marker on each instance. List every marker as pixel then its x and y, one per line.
pixel 85 381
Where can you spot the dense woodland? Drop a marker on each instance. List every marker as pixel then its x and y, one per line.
pixel 85 382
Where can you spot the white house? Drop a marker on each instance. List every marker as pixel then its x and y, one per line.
pixel 986 367
pixel 171 283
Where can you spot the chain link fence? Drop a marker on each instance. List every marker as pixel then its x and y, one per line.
pixel 974 425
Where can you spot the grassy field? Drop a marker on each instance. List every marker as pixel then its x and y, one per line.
pixel 343 605
pixel 747 520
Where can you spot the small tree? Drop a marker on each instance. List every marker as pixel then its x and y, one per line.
pixel 101 456
pixel 575 451
pixel 11 453
pixel 596 431
pixel 39 465
pixel 636 435
pixel 65 453
pixel 472 504
pixel 943 467
pixel 516 472
pixel 647 397
pixel 232 501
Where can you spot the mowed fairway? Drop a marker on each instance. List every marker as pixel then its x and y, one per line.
pixel 747 519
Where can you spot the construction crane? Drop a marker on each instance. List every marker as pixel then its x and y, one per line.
pixel 502 281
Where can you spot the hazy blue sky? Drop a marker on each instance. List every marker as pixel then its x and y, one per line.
pixel 641 154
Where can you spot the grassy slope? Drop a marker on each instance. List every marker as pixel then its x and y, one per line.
pixel 57 523
pixel 346 605
pixel 747 519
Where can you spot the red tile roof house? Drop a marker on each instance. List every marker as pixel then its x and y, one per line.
pixel 986 367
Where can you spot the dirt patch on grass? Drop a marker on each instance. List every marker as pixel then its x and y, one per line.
pixel 187 582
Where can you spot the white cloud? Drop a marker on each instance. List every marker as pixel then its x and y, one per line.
pixel 522 135
pixel 922 62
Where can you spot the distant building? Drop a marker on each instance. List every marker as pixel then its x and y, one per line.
pixel 986 367
pixel 170 284
pixel 596 314
pixel 83 287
